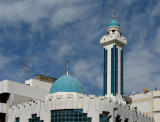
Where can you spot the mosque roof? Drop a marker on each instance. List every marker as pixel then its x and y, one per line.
pixel 113 23
pixel 66 83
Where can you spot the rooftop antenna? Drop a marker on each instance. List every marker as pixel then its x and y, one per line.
pixel 26 68
pixel 155 87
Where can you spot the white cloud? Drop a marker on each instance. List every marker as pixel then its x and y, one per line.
pixel 64 50
pixel 129 2
pixel 59 50
pixel 139 69
pixel 155 11
pixel 89 74
pixel 5 60
pixel 8 70
pixel 83 36
pixel 157 41
pixel 60 11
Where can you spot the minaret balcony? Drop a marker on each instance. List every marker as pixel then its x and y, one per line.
pixel 110 39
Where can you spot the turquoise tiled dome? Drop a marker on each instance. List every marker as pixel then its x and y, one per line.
pixel 113 23
pixel 66 83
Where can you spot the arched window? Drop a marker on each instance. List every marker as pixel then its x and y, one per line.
pixel 126 120
pixel 17 119
pixel 35 118
pixel 69 115
pixel 104 117
pixel 118 118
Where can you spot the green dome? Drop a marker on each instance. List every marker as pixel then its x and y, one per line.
pixel 66 83
pixel 113 23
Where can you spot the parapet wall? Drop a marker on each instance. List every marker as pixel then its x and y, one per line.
pixel 92 105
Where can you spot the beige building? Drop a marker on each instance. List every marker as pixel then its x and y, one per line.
pixel 148 103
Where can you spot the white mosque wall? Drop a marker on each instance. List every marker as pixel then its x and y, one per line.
pixel 92 105
pixel 39 84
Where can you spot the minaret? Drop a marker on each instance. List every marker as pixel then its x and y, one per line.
pixel 113 43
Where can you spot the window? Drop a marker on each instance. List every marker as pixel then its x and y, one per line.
pixel 2 117
pixel 35 118
pixel 69 115
pixel 17 119
pixel 103 117
pixel 105 73
pixel 118 118
pixel 122 72
pixel 4 97
pixel 114 70
pixel 126 120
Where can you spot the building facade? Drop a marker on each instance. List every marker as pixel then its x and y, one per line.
pixel 64 99
pixel 14 93
pixel 148 103
pixel 76 107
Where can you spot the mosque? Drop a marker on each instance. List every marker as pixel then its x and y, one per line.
pixel 46 99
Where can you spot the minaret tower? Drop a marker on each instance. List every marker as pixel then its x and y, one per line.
pixel 113 43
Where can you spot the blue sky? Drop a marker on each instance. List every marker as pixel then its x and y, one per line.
pixel 47 33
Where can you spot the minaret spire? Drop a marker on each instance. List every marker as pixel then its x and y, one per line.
pixel 113 15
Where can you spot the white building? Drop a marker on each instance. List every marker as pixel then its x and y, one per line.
pixel 14 93
pixel 65 101
pixel 148 103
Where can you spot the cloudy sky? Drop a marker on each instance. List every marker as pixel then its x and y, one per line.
pixel 39 36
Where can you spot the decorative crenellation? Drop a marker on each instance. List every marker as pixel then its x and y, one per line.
pixel 109 39
pixel 92 105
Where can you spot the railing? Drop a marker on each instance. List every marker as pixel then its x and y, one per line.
pixel 111 37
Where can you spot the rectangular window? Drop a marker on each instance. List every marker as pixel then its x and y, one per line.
pixel 69 115
pixel 122 72
pixel 114 70
pixel 105 73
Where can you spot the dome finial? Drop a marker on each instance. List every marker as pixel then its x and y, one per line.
pixel 113 15
pixel 113 22
pixel 67 73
